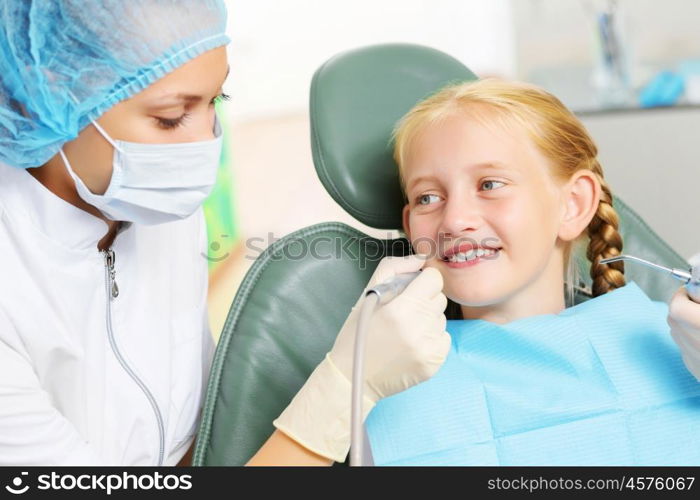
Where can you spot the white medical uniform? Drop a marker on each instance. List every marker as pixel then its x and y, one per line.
pixel 65 397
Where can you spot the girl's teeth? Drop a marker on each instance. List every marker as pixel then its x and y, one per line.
pixel 470 255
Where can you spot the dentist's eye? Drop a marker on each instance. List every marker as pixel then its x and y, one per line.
pixel 491 182
pixel 425 199
pixel 171 123
pixel 221 97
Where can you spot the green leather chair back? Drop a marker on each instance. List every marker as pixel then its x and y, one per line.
pixel 356 99
pixel 296 296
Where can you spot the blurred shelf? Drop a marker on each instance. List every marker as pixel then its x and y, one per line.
pixel 574 87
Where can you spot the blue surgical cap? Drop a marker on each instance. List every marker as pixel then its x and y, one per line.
pixel 65 62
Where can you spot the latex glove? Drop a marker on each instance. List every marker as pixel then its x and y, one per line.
pixel 684 320
pixel 406 344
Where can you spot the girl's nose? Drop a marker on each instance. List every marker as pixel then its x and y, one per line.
pixel 461 216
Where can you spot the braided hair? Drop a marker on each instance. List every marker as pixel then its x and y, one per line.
pixel 604 241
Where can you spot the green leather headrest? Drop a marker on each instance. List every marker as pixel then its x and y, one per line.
pixel 356 99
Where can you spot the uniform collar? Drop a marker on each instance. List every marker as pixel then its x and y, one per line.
pixel 27 199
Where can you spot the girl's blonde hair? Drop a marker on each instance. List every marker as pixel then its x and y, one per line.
pixel 557 133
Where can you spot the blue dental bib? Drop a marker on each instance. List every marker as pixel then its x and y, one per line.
pixel 601 383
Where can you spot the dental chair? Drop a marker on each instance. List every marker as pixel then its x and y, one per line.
pixel 296 296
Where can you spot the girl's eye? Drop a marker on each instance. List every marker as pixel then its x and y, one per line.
pixel 491 182
pixel 425 199
pixel 171 123
pixel 221 97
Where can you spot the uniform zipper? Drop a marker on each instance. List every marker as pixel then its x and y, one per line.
pixel 112 293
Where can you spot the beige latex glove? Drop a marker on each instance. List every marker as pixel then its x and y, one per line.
pixel 684 320
pixel 406 344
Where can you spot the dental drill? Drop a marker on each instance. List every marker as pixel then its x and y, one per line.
pixel 691 278
pixel 376 296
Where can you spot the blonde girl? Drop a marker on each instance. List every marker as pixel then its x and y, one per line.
pixel 502 183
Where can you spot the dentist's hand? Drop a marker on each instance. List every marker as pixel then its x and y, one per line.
pixel 406 344
pixel 406 341
pixel 684 320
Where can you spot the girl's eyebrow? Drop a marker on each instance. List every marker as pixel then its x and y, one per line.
pixel 491 165
pixel 418 180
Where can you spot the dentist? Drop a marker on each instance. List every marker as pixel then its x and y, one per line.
pixel 109 144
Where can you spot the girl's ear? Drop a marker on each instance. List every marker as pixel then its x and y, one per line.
pixel 406 227
pixel 580 199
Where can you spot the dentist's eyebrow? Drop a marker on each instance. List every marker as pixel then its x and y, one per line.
pixel 176 99
pixel 171 100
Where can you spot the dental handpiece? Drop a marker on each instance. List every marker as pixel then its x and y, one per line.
pixel 388 290
pixel 691 278
pixel 377 295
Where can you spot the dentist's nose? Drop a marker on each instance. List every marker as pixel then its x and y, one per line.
pixel 203 129
pixel 461 216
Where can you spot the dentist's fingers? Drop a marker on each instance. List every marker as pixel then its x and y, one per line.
pixel 684 310
pixel 426 286
pixel 439 303
pixel 689 345
pixel 435 305
pixel 391 266
pixel 686 337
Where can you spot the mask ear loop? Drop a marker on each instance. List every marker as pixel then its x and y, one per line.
pixel 102 132
pixel 98 127
pixel 107 137
pixel 71 172
pixel 65 160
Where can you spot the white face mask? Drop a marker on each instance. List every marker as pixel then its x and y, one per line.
pixel 155 183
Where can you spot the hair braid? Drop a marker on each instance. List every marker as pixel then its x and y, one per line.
pixel 604 241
